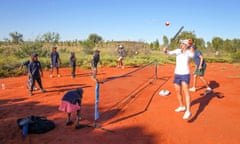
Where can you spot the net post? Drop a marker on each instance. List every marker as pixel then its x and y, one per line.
pixel 96 114
pixel 156 68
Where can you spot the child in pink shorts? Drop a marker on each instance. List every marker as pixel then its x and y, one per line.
pixel 71 102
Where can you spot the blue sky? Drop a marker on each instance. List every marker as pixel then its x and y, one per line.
pixel 138 20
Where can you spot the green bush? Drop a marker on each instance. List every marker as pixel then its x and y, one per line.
pixel 26 49
pixel 11 56
pixel 9 66
pixel 235 57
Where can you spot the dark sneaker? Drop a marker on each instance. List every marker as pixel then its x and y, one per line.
pixel 69 123
pixel 43 91
pixel 80 126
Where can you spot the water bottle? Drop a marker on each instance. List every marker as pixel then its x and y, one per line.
pixel 25 129
pixel 3 86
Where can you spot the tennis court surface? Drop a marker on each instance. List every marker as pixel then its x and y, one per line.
pixel 130 108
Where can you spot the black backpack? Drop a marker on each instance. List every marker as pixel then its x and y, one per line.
pixel 36 124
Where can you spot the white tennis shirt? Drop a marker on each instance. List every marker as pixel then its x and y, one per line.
pixel 182 61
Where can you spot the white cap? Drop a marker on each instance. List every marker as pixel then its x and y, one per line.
pixel 184 42
pixel 164 92
pixel 120 46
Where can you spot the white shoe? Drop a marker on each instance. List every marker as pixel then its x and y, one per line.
pixel 34 88
pixel 193 89
pixel 209 89
pixel 51 76
pixel 180 109
pixel 59 75
pixel 187 115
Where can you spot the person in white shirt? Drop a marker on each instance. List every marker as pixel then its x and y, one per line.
pixel 182 76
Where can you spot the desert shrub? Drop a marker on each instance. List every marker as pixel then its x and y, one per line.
pixel 9 66
pixel 235 57
pixel 88 46
pixel 26 49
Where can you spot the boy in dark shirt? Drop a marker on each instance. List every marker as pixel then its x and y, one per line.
pixel 95 61
pixel 28 82
pixel 73 60
pixel 35 72
pixel 55 61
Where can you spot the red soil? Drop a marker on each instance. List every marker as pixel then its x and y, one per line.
pixel 131 111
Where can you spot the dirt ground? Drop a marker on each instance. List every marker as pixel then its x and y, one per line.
pixel 131 110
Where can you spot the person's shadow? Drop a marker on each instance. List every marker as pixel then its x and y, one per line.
pixel 205 99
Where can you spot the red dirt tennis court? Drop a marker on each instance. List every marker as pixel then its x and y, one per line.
pixel 131 111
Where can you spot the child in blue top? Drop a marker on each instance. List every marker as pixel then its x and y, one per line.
pixel 71 102
pixel 55 61
pixel 35 72
pixel 95 61
pixel 73 60
pixel 28 83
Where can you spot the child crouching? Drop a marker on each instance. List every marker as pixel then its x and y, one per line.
pixel 71 102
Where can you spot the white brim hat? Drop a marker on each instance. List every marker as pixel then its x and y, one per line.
pixel 164 93
pixel 184 42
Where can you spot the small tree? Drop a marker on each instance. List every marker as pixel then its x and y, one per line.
pixel 16 37
pixel 165 40
pixel 228 46
pixel 95 38
pixel 51 37
pixel 88 46
pixel 217 43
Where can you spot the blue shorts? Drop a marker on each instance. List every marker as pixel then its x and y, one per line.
pixel 54 65
pixel 178 79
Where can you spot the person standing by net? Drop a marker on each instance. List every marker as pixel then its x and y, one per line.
pixel 55 61
pixel 94 63
pixel 121 53
pixel 182 76
pixel 70 103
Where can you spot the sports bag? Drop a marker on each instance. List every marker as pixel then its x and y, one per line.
pixel 35 124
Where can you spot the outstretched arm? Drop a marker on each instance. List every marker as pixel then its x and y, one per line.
pixel 167 52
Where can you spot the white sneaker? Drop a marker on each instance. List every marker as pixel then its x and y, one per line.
pixel 180 109
pixel 193 89
pixel 187 115
pixel 34 88
pixel 209 89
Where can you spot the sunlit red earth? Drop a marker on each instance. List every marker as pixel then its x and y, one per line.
pixel 131 111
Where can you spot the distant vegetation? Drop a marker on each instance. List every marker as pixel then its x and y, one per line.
pixel 14 50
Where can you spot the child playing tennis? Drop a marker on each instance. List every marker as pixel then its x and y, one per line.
pixel 35 73
pixel 55 61
pixel 73 60
pixel 95 61
pixel 71 102
pixel 28 82
pixel 121 53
